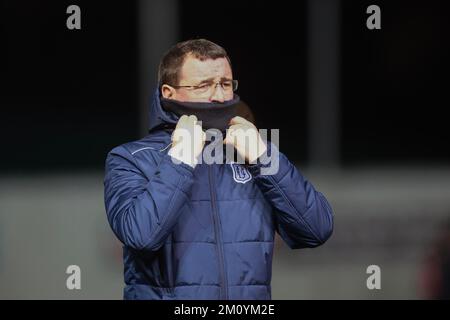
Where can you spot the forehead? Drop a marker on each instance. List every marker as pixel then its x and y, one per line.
pixel 197 70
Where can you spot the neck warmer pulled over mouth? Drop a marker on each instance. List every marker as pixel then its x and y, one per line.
pixel 213 115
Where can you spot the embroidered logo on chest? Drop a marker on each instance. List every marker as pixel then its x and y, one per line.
pixel 240 173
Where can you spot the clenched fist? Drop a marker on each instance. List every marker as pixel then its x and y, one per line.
pixel 188 140
pixel 245 138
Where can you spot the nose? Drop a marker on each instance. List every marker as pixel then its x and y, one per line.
pixel 218 94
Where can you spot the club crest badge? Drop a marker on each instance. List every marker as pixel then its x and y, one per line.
pixel 240 173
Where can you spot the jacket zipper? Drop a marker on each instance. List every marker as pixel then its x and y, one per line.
pixel 218 237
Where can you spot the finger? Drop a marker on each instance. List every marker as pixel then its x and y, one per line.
pixel 229 138
pixel 239 128
pixel 193 119
pixel 229 141
pixel 238 120
pixel 183 119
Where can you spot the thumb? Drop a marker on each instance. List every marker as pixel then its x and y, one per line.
pixel 229 139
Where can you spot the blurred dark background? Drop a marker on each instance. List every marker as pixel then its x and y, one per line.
pixel 362 112
pixel 394 84
pixel 69 96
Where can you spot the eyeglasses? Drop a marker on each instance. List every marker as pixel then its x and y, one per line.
pixel 228 86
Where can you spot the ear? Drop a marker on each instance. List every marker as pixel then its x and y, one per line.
pixel 167 91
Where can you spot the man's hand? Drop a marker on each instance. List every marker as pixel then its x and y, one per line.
pixel 188 140
pixel 245 138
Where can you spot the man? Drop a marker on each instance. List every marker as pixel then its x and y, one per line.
pixel 193 230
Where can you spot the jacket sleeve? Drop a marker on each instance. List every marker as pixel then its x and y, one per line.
pixel 303 216
pixel 143 211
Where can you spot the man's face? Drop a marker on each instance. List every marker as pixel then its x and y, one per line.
pixel 195 72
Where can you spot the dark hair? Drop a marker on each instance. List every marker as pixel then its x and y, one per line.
pixel 172 61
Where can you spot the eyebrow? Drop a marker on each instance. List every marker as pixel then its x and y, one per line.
pixel 212 79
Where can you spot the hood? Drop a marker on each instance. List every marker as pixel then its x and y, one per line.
pixel 158 117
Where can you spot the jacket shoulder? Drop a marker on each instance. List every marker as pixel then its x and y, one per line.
pixel 156 142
